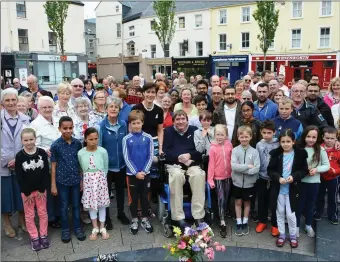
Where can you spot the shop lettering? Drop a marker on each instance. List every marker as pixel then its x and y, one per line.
pixel 231 59
pixel 291 58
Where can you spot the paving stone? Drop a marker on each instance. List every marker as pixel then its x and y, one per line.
pixel 246 244
pixel 58 250
pixel 141 246
pixel 302 252
pixel 18 254
pixel 83 255
pixel 142 237
pixel 273 247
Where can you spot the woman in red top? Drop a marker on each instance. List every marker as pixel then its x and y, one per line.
pixel 166 104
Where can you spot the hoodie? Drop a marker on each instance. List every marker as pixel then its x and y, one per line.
pixel 268 111
pixel 263 148
pixel 334 161
pixel 292 123
pixel 241 158
pixel 219 162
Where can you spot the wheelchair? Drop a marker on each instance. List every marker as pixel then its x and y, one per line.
pixel 164 210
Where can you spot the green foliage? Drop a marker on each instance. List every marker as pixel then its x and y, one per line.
pixel 56 12
pixel 267 19
pixel 165 27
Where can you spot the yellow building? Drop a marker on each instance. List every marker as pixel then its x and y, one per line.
pixel 305 28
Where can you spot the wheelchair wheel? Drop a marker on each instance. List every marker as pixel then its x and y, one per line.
pixel 167 231
pixel 161 209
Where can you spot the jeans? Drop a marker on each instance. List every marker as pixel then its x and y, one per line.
pixel 308 195
pixel 329 187
pixel 64 193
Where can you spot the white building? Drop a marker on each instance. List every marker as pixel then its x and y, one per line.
pixel 131 47
pixel 28 44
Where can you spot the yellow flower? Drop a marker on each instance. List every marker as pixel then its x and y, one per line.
pixel 191 241
pixel 172 250
pixel 177 231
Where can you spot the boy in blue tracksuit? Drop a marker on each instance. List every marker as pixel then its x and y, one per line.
pixel 285 120
pixel 138 151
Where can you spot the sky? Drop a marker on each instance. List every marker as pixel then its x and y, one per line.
pixel 89 9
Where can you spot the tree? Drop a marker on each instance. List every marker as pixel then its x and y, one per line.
pixel 166 26
pixel 56 12
pixel 267 19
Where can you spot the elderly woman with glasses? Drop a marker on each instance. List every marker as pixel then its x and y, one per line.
pixel 12 122
pixel 31 111
pixel 246 96
pixel 111 133
pixel 85 117
pixel 99 104
pixel 62 106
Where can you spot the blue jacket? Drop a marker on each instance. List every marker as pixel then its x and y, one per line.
pixel 124 112
pixel 292 123
pixel 112 142
pixel 268 111
pixel 138 153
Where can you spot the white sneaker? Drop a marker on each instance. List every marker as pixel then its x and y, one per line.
pixel 297 232
pixel 310 232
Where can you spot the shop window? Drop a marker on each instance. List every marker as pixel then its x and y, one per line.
pixel 325 35
pixel 23 40
pixel 270 65
pixel 119 30
pixel 245 14
pixel 297 9
pixel 245 40
pixel 90 43
pixel 223 42
pixel 52 41
pixel 199 48
pixel 198 20
pixel 153 51
pixel 152 22
pixel 328 64
pixel 21 9
pixel 132 30
pixel 326 8
pixel 223 16
pixel 301 64
pixel 181 22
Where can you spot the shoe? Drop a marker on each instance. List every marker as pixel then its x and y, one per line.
pixel 146 225
pixel 65 236
pixel 198 222
pixel 84 216
pixel 293 242
pixel 45 243
pixel 334 221
pixel 275 231
pixel 260 227
pixel 35 244
pixel 317 217
pixel 80 234
pixel 310 232
pixel 245 229
pixel 134 227
pixel 281 240
pixel 123 219
pixel 108 224
pixel 223 231
pixel 182 224
pixel 238 231
pixel 254 217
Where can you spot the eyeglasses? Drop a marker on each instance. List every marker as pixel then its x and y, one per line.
pixel 46 108
pixel 80 86
pixel 247 80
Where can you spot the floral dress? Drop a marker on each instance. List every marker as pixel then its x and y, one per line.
pixel 95 190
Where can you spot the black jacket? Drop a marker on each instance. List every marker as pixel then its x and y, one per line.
pixel 326 111
pixel 255 128
pixel 308 115
pixel 219 115
pixel 299 171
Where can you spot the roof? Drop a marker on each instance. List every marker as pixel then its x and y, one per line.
pixel 144 8
pixel 77 3
pixel 91 20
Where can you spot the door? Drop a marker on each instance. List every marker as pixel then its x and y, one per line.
pixel 132 70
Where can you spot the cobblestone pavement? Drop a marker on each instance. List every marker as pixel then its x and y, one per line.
pixel 121 240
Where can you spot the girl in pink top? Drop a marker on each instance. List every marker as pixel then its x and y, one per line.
pixel 219 171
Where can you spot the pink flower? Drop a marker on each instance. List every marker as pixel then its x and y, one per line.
pixel 182 245
pixel 222 248
pixel 206 238
pixel 205 232
pixel 210 253
pixel 218 248
pixel 216 244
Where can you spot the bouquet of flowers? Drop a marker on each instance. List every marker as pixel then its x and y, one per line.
pixel 194 243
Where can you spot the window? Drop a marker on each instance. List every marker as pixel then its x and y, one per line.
pixel 21 9
pixel 23 39
pixel 181 22
pixel 199 48
pixel 153 51
pixel 198 20
pixel 245 14
pixel 325 36
pixel 152 22
pixel 181 49
pixel 272 46
pixel 117 8
pixel 90 43
pixel 223 16
pixel 245 40
pixel 132 30
pixel 52 41
pixel 223 42
pixel 131 48
pixel 167 50
pixel 119 30
pixel 297 9
pixel 296 38
pixel 326 8
pixel 91 53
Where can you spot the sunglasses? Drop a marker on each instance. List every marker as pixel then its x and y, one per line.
pixel 81 86
pixel 247 80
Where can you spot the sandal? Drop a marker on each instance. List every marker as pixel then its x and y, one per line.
pixel 104 234
pixel 9 231
pixel 280 241
pixel 94 234
pixel 294 243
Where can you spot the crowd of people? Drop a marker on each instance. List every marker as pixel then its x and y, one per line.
pixel 267 151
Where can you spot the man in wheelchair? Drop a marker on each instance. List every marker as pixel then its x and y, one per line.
pixel 182 158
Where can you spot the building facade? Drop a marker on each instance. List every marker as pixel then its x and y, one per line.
pixel 306 29
pixel 31 48
pixel 91 44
